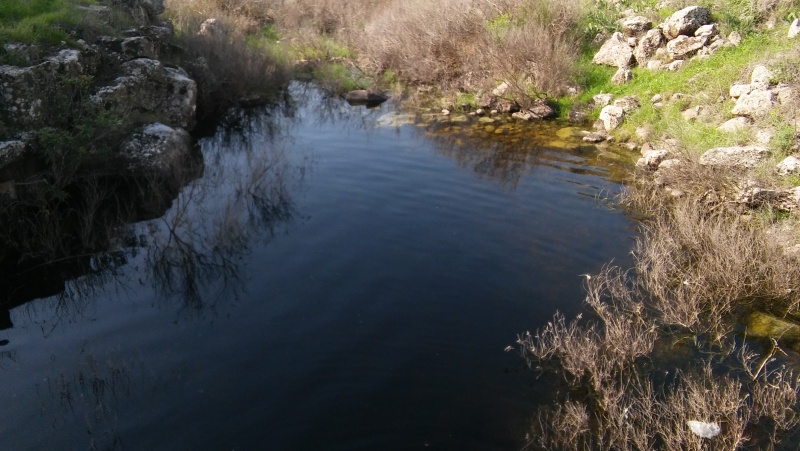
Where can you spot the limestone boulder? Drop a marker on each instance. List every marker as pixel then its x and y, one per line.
pixel 739 90
pixel 794 29
pixel 622 76
pixel 761 78
pixel 652 40
pixel 541 110
pixel 602 99
pixel 736 124
pixel 789 166
pixel 11 152
pixel 612 117
pixel 157 147
pixel 636 26
pixel 144 12
pixel 652 158
pixel 739 157
pixel 628 104
pixel 755 104
pixel 139 47
pixel 148 86
pixel 785 94
pixel 686 21
pixel 707 31
pixel 684 47
pixel 615 52
pixel 28 93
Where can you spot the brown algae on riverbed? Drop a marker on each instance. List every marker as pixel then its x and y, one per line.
pixel 513 141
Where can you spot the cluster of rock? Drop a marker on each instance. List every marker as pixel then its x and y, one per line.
pixel 499 101
pixel 754 101
pixel 124 77
pixel 687 33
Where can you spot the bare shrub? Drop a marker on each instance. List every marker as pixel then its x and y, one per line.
pixel 227 69
pixel 422 41
pixel 535 53
pixel 603 349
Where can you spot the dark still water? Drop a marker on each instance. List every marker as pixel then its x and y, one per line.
pixel 336 280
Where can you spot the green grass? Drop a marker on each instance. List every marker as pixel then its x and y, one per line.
pixel 39 21
pixel 337 78
pixel 701 81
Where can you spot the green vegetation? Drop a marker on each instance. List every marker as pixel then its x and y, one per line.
pixel 40 21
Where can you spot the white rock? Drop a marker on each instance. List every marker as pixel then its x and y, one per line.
pixel 652 158
pixel 11 151
pixel 703 429
pixel 794 29
pixel 684 47
pixel 648 46
pixel 761 78
pixel 612 117
pixel 764 136
pixel 736 124
pixel 628 104
pixel 686 21
pixel 636 26
pixel 675 65
pixel 654 65
pixel 785 94
pixel 622 76
pixel 741 157
pixel 500 90
pixel 602 99
pixel 789 166
pixel 707 30
pixel 734 39
pixel 615 52
pixel 737 91
pixel 756 104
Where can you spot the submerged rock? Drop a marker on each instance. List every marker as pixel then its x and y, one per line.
pixel 764 325
pixel 366 97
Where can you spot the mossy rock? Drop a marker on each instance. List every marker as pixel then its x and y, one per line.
pixel 764 325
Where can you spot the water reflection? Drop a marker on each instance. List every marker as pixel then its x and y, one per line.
pixel 195 250
pixel 401 270
pixel 505 150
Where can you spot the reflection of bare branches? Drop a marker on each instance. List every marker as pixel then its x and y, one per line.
pixel 92 396
pixel 194 250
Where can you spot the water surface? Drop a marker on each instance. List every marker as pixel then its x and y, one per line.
pixel 338 279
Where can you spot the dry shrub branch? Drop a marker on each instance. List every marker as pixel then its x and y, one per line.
pixel 617 398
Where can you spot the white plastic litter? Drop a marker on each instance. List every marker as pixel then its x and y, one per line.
pixel 703 429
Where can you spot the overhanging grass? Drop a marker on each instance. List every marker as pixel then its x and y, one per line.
pixel 39 21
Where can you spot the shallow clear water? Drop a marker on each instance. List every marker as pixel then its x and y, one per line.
pixel 336 280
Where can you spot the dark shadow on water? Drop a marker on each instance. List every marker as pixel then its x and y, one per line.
pixel 187 235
